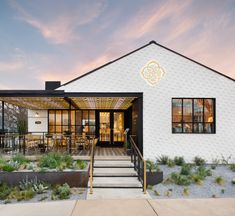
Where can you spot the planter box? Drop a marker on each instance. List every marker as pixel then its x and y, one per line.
pixel 154 178
pixel 74 178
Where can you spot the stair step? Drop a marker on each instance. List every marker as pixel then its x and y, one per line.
pixel 116 182
pixel 114 172
pixel 114 164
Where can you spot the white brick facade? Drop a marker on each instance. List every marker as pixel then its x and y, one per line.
pixel 183 78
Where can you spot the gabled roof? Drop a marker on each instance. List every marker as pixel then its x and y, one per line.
pixel 151 42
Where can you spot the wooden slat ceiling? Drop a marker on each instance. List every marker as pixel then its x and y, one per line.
pixel 37 102
pixel 103 102
pixel 61 103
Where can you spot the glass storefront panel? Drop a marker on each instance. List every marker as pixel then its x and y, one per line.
pixel 104 133
pixel 187 110
pixel 198 110
pixel 78 117
pixel 177 128
pixel 91 117
pixel 51 117
pixel 177 110
pixel 65 117
pixel 187 128
pixel 208 110
pixel 118 127
pixel 58 117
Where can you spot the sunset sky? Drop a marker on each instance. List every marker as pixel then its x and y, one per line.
pixel 60 40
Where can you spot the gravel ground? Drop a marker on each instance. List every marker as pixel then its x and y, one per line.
pixel 77 194
pixel 207 190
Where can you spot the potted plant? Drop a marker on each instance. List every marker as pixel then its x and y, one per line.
pixel 127 146
pixel 154 174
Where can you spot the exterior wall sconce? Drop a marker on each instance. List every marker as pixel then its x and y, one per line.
pixel 36 114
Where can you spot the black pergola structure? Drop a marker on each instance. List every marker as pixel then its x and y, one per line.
pixel 59 99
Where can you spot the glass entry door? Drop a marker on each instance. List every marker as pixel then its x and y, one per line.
pixel 111 128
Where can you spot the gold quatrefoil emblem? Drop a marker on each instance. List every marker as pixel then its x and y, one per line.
pixel 152 73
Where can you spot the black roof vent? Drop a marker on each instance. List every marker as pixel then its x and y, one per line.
pixel 52 85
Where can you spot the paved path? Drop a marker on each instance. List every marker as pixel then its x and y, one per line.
pixel 129 207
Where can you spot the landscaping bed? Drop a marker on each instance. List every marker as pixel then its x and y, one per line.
pixel 53 176
pixel 195 180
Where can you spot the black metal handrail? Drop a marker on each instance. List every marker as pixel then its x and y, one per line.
pixel 139 163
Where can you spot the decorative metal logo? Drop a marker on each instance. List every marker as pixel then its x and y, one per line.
pixel 152 73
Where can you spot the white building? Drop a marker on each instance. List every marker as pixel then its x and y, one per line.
pixel 174 105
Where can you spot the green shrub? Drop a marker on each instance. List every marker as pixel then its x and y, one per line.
pixel 213 166
pixel 197 179
pixel 21 195
pixel 80 164
pixel 179 161
pixel 21 159
pixel 170 163
pixel 186 191
pixel 219 180
pixel 48 161
pixel 203 172
pixel 150 165
pixel 61 192
pixel 232 167
pixel 180 179
pixel 68 160
pixel 215 163
pixel 5 190
pixel 186 169
pixel 199 161
pixel 163 159
pixel 224 160
pixel 233 181
pixel 8 167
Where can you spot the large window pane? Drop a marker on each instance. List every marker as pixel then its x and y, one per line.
pixel 51 117
pixel 177 110
pixel 78 117
pixel 177 128
pixel 84 117
pixel 58 117
pixel 65 117
pixel 187 110
pixel 198 128
pixel 187 128
pixel 91 117
pixel 209 128
pixel 72 117
pixel 208 110
pixel 198 110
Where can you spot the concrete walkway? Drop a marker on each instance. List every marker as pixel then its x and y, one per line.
pixel 130 207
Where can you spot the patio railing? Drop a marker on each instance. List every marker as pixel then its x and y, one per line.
pixel 41 142
pixel 139 162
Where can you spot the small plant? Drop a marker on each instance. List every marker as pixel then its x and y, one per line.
pixel 197 179
pixel 168 193
pixel 199 161
pixel 219 180
pixel 163 159
pixel 179 161
pixel 80 164
pixel 215 163
pixel 20 159
pixel 168 180
pixel 150 187
pixel 203 172
pixel 61 192
pixel 232 167
pixel 21 195
pixel 233 181
pixel 170 163
pixel 180 179
pixel 186 169
pixel 186 191
pixel 4 191
pixel 157 193
pixel 225 161
pixel 8 167
pixel 68 160
pixel 223 191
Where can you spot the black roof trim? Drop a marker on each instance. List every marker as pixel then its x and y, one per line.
pixel 31 93
pixel 151 42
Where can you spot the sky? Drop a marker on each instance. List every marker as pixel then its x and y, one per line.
pixel 59 40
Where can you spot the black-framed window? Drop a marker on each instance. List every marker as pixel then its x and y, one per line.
pixel 193 115
pixel 78 122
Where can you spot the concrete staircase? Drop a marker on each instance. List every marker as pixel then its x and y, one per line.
pixel 115 174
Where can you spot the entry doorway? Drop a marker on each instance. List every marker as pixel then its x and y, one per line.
pixel 111 128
